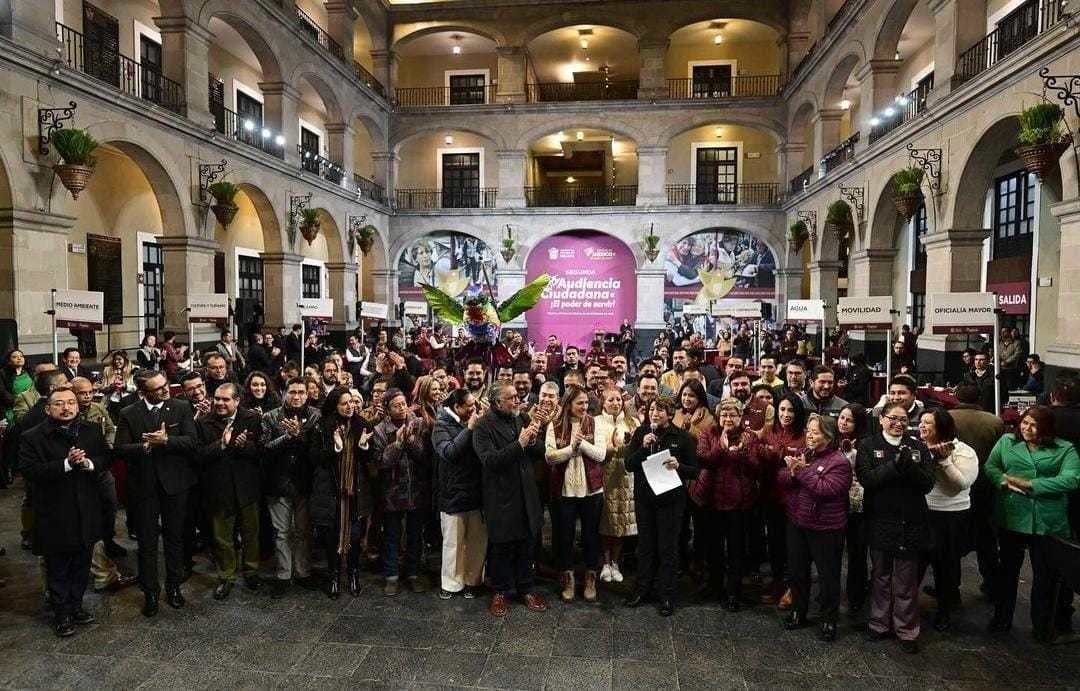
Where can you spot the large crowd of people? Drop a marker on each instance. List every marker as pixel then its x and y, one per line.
pixel 546 461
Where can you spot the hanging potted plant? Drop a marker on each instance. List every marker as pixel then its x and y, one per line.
pixel 907 191
pixel 798 234
pixel 507 251
pixel 838 217
pixel 652 246
pixel 365 238
pixel 76 148
pixel 224 207
pixel 309 224
pixel 1042 138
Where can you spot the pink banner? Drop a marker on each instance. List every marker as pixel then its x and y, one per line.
pixel 593 286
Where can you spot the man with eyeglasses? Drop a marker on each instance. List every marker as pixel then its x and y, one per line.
pixel 901 392
pixel 156 437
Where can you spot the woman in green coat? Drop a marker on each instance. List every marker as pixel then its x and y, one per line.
pixel 1034 472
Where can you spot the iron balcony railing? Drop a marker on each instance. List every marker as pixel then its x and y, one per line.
pixel 741 86
pixel 801 181
pixel 120 71
pixel 1016 29
pixel 369 79
pixel 429 96
pixel 842 153
pixel 906 108
pixel 369 189
pixel 317 34
pixel 546 92
pixel 747 193
pixel 245 130
pixel 316 164
pixel 419 199
pixel 582 195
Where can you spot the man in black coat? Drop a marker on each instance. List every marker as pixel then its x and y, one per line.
pixel 155 436
pixel 64 459
pixel 981 377
pixel 228 454
pixel 71 364
pixel 507 449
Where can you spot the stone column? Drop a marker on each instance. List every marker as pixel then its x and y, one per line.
pixel 789 163
pixel 342 279
pixel 33 261
pixel 1065 351
pixel 386 164
pixel 878 89
pixel 511 75
pixel 871 272
pixel 826 134
pixel 32 25
pixel 511 178
pixel 386 67
pixel 953 262
pixel 340 18
pixel 340 148
pixel 650 297
pixel 652 176
pixel 788 287
pixel 281 103
pixel 652 81
pixel 185 49
pixel 511 279
pixel 282 288
pixel 823 279
pixel 385 285
pixel 798 45
pixel 958 25
pixel 189 267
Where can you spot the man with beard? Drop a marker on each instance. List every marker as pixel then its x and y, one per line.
pixel 648 389
pixel 795 377
pixel 507 449
pixel 194 389
pixel 329 372
pixel 476 378
pixel 671 381
pixel 721 387
pixel 820 399
pixel 288 483
pixel 524 386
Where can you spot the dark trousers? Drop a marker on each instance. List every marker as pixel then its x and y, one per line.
pixel 1013 546
pixel 67 574
pixel 985 532
pixel 658 543
pixel 109 505
pixel 414 532
pixel 755 542
pixel 225 523
pixel 510 567
pixel 327 538
pixel 727 549
pixel 198 534
pixel 894 596
pixel 162 514
pixel 825 548
pixel 857 553
pixel 547 557
pixel 776 528
pixel 588 510
pixel 950 531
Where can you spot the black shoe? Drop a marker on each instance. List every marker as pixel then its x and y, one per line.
pixel 732 604
pixel 469 592
pixel 64 627
pixel 666 609
pixel 307 582
pixel 827 632
pixel 794 620
pixel 636 600
pixel 82 617
pixel 942 622
pixel 909 647
pixel 222 590
pixel 189 571
pixel 27 545
pixel 253 582
pixel 277 588
pixel 114 551
pixel 175 598
pixel 876 636
pixel 333 590
pixel 354 583
pixel 150 605
pixel 445 594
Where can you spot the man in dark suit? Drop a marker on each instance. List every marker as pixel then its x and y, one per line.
pixel 65 459
pixel 156 437
pixel 230 444
pixel 71 364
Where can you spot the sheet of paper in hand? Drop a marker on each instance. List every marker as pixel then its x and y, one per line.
pixel 660 478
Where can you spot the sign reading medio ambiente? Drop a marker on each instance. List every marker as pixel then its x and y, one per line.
pixel 865 313
pixel 959 313
pixel 79 309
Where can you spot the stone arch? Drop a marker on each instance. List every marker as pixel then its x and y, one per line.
pixel 526 138
pixel 375 129
pixel 7 200
pixel 331 102
pixel 488 32
pixel 775 129
pixel 892 26
pixel 838 77
pixel 884 224
pixel 744 13
pixel 335 244
pixel 802 116
pixel 225 10
pixel 575 17
pixel 400 137
pixel 268 219
pixel 977 172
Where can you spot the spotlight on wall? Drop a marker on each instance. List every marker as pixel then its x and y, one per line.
pixel 889 112
pixel 579 135
pixel 718 39
pixel 265 133
pixel 448 139
pixel 902 100
pixel 584 43
pixel 571 180
pixel 845 104
pixel 249 125
pixel 719 132
pixel 874 122
pixel 280 140
pixel 456 50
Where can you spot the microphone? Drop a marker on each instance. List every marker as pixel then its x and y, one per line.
pixel 652 430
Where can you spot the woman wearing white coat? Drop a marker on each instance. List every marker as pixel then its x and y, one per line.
pixel 617 520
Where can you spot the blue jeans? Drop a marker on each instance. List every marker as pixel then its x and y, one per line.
pixel 414 525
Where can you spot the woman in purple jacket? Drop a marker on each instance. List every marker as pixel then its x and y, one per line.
pixel 817 481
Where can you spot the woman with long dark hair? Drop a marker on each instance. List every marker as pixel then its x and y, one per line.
pixel 693 415
pixel 149 355
pixel 1034 472
pixel 259 394
pixel 853 426
pixel 786 436
pixel 576 480
pixel 15 378
pixel 341 496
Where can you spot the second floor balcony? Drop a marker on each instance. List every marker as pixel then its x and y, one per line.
pixel 423 199
pixel 581 195
pixel 749 194
pixel 843 153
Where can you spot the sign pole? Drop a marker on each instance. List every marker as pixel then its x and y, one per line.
pixel 191 337
pixel 303 341
pixel 55 337
pixel 888 358
pixel 822 354
pixel 997 366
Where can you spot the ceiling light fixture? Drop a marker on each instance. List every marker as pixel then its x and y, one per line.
pixel 896 55
pixel 571 179
pixel 456 50
pixel 902 100
pixel 845 104
pixel 266 133
pixel 448 139
pixel 718 39
pixel 719 132
pixel 584 43
pixel 580 135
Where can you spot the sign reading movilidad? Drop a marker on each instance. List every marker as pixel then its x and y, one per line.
pixel 79 309
pixel 961 313
pixel 865 314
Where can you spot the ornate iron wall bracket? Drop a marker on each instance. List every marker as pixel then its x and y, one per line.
pixel 50 120
pixel 856 196
pixel 930 161
pixel 355 223
pixel 208 173
pixel 1067 87
pixel 296 205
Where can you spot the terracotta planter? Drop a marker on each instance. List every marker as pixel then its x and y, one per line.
pixel 908 204
pixel 74 178
pixel 652 253
pixel 310 231
pixel 224 212
pixel 507 254
pixel 1040 158
pixel 366 243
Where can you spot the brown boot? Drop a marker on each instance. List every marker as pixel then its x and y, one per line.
pixel 590 586
pixel 567 593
